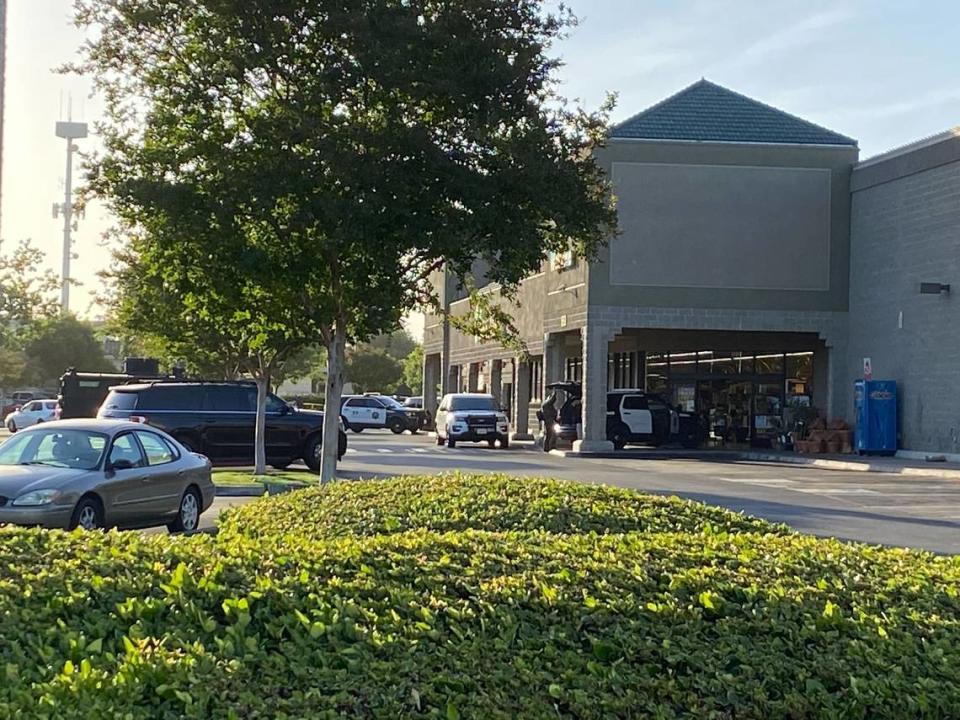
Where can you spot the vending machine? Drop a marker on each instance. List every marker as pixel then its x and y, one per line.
pixel 876 408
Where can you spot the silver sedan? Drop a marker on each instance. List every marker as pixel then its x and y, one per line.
pixel 101 473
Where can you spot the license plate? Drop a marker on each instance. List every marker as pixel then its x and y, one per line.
pixel 482 431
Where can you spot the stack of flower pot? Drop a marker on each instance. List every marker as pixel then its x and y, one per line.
pixel 840 437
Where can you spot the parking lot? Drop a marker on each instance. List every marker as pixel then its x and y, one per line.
pixel 871 507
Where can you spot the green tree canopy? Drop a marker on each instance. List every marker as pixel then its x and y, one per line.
pixel 61 343
pixel 413 370
pixel 292 170
pixel 372 370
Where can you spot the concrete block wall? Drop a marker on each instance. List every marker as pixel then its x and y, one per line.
pixel 905 231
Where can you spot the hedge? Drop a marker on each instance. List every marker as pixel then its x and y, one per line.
pixel 496 503
pixel 693 620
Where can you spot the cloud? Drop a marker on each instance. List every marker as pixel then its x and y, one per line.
pixel 804 32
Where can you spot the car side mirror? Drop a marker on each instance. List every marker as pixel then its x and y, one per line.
pixel 121 464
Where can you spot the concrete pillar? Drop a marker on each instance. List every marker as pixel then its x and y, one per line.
pixel 553 357
pixel 521 401
pixel 496 381
pixel 473 377
pixel 839 388
pixel 596 343
pixel 453 379
pixel 446 386
pixel 431 378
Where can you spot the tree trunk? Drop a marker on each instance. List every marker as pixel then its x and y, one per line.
pixel 260 437
pixel 331 404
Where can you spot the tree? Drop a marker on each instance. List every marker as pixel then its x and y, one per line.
pixel 310 363
pixel 342 152
pixel 413 370
pixel 397 344
pixel 27 295
pixel 372 370
pixel 61 343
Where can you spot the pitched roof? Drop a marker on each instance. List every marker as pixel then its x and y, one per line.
pixel 707 112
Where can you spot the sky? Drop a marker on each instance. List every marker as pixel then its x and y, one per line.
pixel 880 71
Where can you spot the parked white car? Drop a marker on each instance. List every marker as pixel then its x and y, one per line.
pixel 32 413
pixel 471 417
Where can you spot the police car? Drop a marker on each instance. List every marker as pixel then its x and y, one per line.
pixel 633 416
pixel 363 412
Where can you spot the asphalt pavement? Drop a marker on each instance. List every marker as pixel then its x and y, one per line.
pixel 871 507
pixel 914 511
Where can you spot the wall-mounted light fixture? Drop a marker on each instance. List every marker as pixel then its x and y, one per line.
pixel 933 288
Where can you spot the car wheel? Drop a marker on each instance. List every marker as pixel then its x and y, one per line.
pixel 440 440
pixel 87 515
pixel 414 431
pixel 619 436
pixel 396 426
pixel 312 452
pixel 188 516
pixel 505 444
pixel 451 443
pixel 357 430
pixel 11 426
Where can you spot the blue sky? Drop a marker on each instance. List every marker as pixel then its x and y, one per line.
pixel 883 72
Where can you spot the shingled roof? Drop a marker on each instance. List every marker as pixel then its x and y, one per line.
pixel 707 112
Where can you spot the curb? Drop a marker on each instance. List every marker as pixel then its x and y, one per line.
pixel 817 463
pixel 257 489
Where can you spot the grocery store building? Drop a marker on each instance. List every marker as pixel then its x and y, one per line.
pixel 757 262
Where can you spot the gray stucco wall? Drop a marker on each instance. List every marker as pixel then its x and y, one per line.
pixel 906 230
pixel 787 205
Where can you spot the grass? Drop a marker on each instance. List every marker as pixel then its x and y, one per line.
pixel 245 477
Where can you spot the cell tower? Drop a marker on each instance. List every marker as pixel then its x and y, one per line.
pixel 69 131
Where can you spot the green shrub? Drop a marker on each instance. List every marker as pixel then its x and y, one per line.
pixel 689 620
pixel 452 503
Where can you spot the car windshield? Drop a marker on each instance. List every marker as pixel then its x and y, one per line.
pixel 78 449
pixel 466 402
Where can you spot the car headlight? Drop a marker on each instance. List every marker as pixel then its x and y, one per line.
pixel 501 417
pixel 37 497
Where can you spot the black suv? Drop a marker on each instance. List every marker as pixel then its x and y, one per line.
pixel 218 420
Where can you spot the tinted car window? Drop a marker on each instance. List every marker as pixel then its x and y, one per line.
pixel 472 403
pixel 170 397
pixel 634 402
pixel 225 398
pixel 52 405
pixel 275 404
pixel 126 448
pixel 613 402
pixel 120 401
pixel 157 450
pixel 30 407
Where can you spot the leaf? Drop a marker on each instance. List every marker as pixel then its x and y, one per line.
pixel 555 691
pixel 452 712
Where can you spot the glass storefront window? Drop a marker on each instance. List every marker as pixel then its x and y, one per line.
pixel 769 363
pixel 799 373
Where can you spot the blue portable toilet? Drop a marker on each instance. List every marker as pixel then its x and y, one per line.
pixel 876 408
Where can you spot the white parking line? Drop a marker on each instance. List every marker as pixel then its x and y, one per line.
pixel 758 481
pixel 836 491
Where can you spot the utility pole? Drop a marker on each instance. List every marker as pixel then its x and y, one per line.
pixel 70 131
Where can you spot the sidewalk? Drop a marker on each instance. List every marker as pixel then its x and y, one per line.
pixel 847 463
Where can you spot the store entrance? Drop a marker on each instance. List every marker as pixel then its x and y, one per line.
pixel 726 404
pixel 734 411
